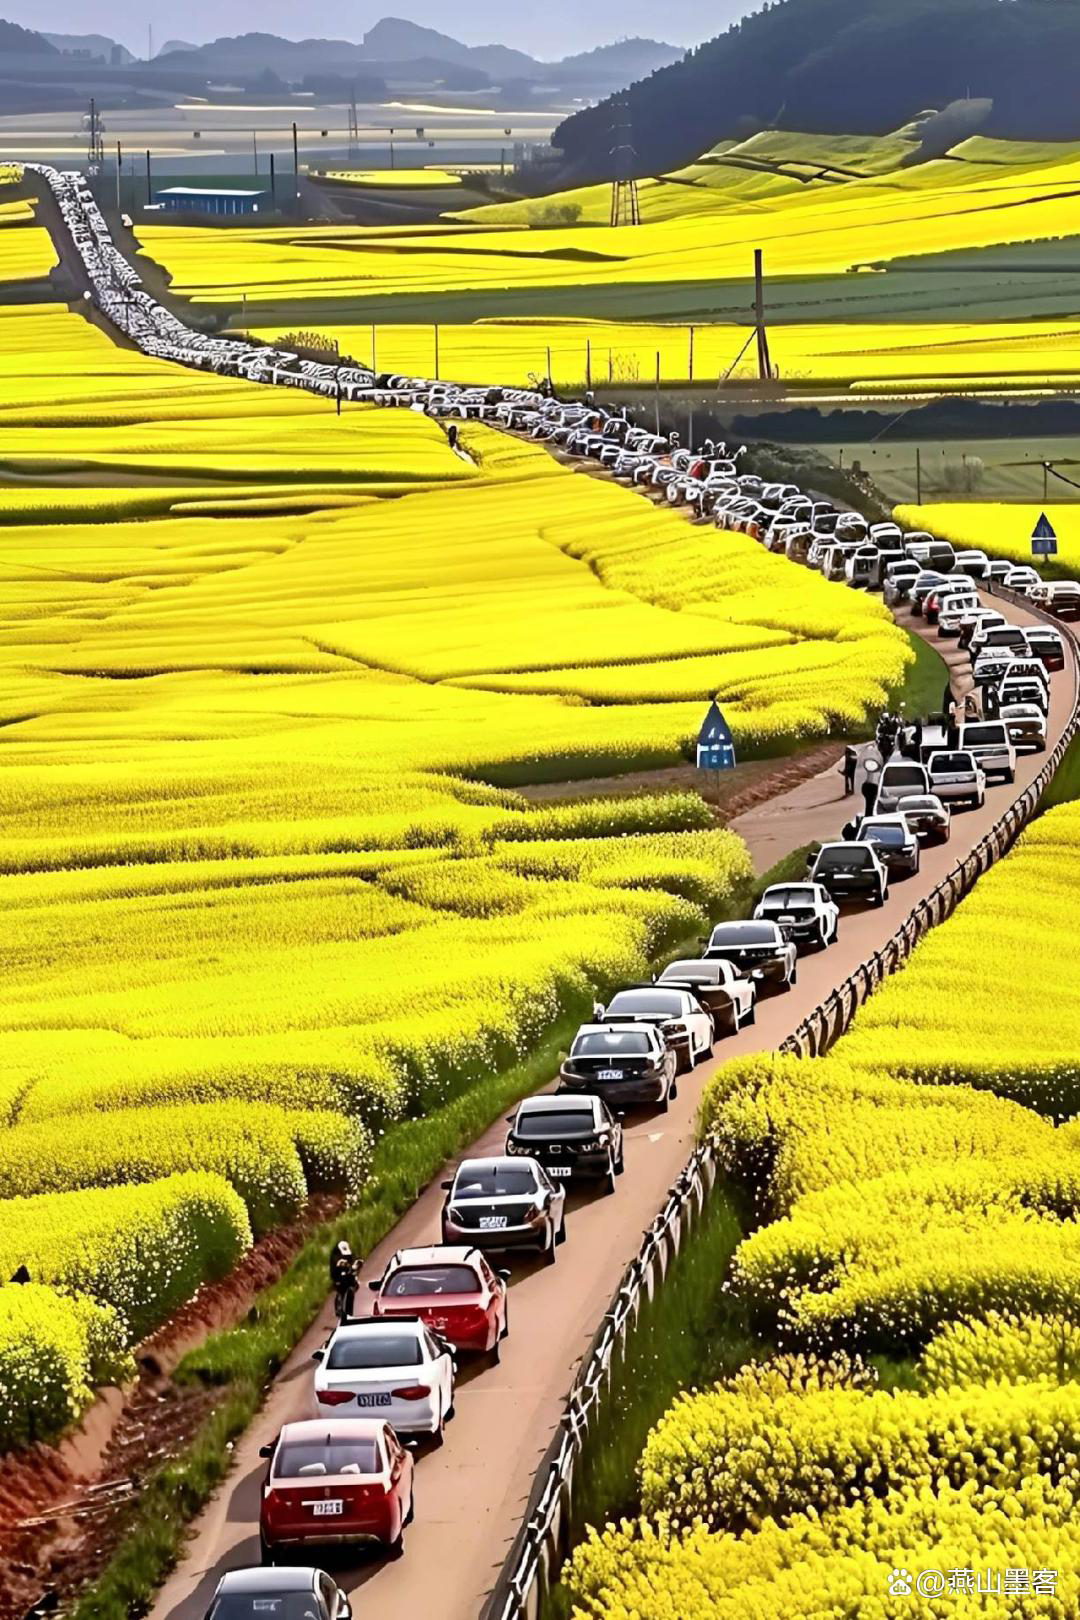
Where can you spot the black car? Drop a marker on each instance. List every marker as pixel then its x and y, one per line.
pixel 569 1136
pixel 628 1065
pixel 757 949
pixel 850 869
pixel 895 840
pixel 278 1594
pixel 504 1203
pixel 1046 645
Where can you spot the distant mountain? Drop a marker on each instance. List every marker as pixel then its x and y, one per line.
pixel 91 46
pixel 16 41
pixel 626 60
pixel 865 66
pixel 176 45
pixel 393 39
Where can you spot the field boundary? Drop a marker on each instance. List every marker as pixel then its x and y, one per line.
pixel 533 1562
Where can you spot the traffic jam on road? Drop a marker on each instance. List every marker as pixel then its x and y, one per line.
pixel 384 1383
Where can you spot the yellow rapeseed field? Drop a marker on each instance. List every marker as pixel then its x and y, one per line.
pixel 268 675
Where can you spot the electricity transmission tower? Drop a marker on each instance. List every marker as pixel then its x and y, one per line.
pixel 95 130
pixel 625 209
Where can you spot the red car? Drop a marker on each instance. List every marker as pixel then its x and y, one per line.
pixel 453 1290
pixel 332 1482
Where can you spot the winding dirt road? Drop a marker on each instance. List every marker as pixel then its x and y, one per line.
pixel 470 1494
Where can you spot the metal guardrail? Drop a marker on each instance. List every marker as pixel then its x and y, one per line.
pixel 541 1543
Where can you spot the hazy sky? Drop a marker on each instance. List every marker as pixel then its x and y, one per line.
pixel 551 29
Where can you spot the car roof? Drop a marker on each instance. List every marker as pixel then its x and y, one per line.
pixel 887 817
pixel 281 1579
pixel 377 1324
pixel 496 1161
pixel 847 843
pixel 312 1430
pixel 745 922
pixel 556 1104
pixel 442 1254
pixel 615 1028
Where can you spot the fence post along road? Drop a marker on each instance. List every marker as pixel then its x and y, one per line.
pixel 515 1438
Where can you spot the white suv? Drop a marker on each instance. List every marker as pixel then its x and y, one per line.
pixel 989 741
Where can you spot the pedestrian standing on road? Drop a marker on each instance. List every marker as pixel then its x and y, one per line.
pixel 850 766
pixel 991 703
pixel 947 700
pixel 451 436
pixel 869 794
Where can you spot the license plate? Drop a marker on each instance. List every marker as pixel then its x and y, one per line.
pixel 559 1170
pixel 328 1510
pixel 787 919
pixel 609 1074
pixel 373 1400
pixel 492 1223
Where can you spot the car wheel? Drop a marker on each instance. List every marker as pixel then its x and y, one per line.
pixel 917 868
pixel 822 941
pixel 609 1179
pixel 673 1090
pixel 506 1322
pixel 793 978
pixel 267 1554
pixel 751 1013
pixel 620 1162
pixel 396 1548
pixel 879 895
pixel 494 1354
pixel 1010 777
pixel 411 1515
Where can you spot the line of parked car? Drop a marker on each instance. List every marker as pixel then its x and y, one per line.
pixel 386 1381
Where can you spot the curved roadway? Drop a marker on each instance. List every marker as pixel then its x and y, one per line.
pixel 471 1493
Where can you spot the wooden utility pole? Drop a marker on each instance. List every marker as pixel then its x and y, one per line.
pixel 296 165
pixel 764 363
pixel 119 161
pixel 149 189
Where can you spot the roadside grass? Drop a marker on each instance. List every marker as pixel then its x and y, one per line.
pixel 925 679
pixel 689 1334
pixel 1065 786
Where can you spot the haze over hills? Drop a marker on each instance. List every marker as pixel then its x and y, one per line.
pixel 92 47
pixel 863 66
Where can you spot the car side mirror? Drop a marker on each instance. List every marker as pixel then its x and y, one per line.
pixel 375 1285
pixel 317 1355
pixel 510 1119
pixel 505 1275
pixel 598 1009
pixel 810 859
pixel 447 1186
pixel 345 1611
pixel 266 1451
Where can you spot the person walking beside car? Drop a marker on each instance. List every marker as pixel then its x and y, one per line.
pixel 849 767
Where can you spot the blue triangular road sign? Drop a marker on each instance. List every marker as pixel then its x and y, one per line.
pixel 715 732
pixel 1044 529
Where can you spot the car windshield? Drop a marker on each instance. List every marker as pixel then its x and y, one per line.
pixel 374 1349
pixel 302 1459
pixel 268 1606
pixel 840 860
pixel 779 899
pixel 664 1002
pixel 737 934
pixel 617 1043
pixel 984 734
pixel 950 764
pixel 413 1281
pixel 554 1122
pixel 917 803
pixel 502 1181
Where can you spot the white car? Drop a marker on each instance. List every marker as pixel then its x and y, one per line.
pixel 899 777
pixel 803 912
pixel 989 741
pixel 729 996
pixel 1023 689
pixel 1021 580
pixel 953 611
pixel 677 1014
pixel 397 1370
pixel 956 777
pixel 1026 724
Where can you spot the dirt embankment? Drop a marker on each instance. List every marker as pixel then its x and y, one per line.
pixel 64 1509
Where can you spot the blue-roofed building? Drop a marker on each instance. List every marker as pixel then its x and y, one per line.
pixel 209 200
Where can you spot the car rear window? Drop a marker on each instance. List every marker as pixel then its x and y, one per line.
pixel 799 895
pixel 267 1606
pixel 411 1282
pixel 619 1043
pixel 950 764
pixel 894 776
pixel 303 1459
pixel 370 1349
pixel 843 860
pixel 985 734
pixel 889 834
pixel 738 934
pixel 667 1003
pixel 554 1122
pixel 694 972
pixel 507 1181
